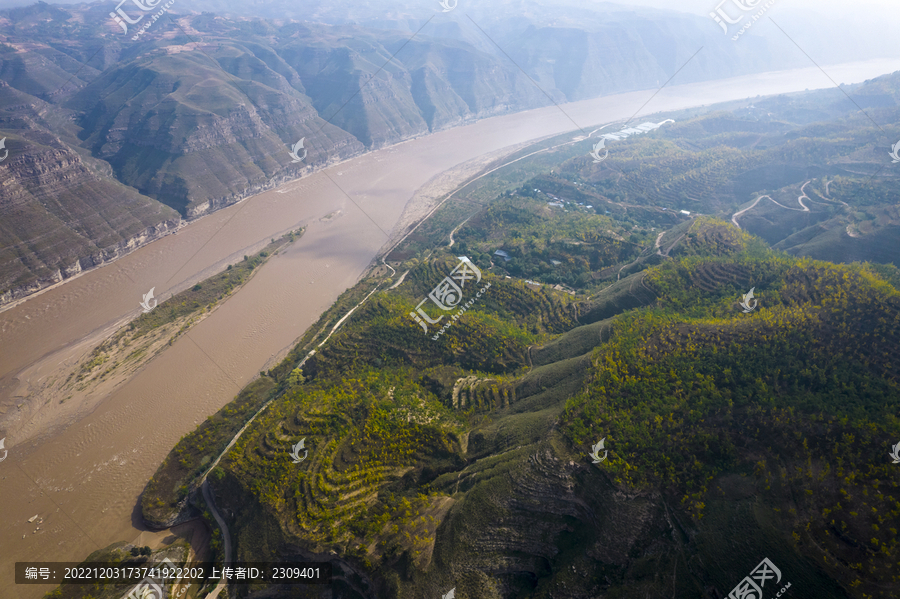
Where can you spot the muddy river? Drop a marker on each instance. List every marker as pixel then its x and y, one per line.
pixel 84 478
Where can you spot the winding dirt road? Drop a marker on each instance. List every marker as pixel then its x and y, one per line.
pixel 804 208
pixel 226 536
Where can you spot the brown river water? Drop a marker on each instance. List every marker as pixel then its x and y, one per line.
pixel 85 478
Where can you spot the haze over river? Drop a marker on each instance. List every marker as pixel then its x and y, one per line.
pixel 85 479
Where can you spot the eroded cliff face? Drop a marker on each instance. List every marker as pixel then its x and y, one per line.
pixel 173 128
pixel 60 217
pixel 99 258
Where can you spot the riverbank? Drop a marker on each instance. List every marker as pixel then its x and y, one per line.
pixel 87 478
pixel 75 388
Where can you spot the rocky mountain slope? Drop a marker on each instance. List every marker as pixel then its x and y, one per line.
pixel 60 210
pixel 200 110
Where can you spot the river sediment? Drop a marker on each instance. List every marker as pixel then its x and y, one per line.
pixel 85 479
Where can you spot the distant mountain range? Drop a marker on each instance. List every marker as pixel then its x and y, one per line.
pixel 113 142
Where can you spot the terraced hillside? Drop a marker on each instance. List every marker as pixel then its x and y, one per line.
pixel 809 174
pixel 462 462
pixel 545 242
pixel 803 172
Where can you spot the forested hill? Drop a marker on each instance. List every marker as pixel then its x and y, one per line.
pixel 810 173
pixel 733 435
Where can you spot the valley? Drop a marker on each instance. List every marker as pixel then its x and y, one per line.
pixel 111 150
pixel 515 299
pixel 188 292
pixel 492 379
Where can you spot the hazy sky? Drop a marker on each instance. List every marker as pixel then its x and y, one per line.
pixel 876 8
pixel 857 15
